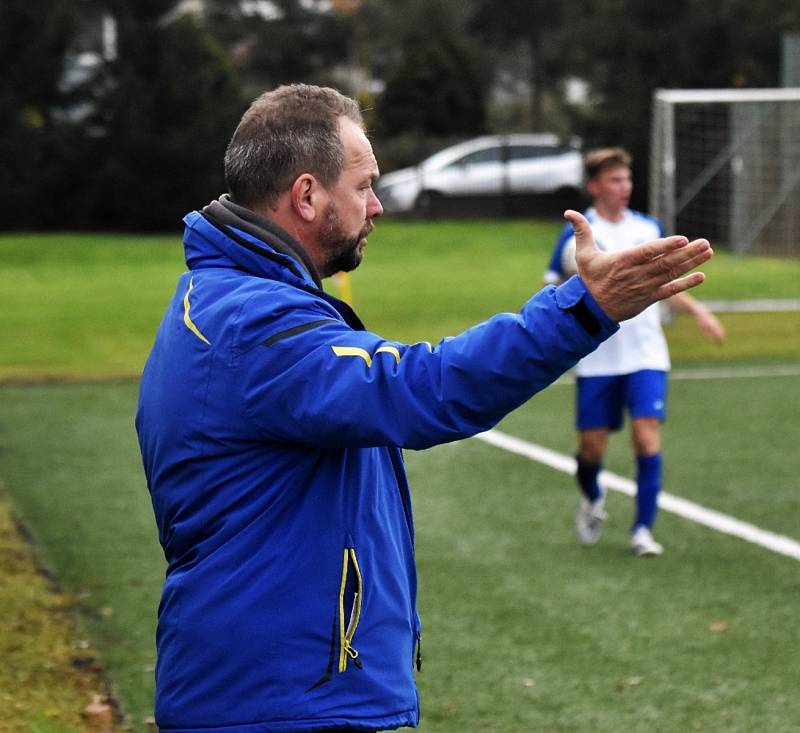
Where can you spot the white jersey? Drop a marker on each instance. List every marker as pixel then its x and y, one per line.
pixel 640 342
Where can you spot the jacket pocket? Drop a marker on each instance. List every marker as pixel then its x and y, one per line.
pixel 346 616
pixel 351 593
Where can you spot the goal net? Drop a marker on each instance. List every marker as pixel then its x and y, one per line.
pixel 725 164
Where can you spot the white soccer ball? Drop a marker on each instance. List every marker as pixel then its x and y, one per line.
pixel 568 264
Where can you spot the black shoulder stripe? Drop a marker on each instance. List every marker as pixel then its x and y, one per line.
pixel 302 328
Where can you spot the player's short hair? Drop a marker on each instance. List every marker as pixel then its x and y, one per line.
pixel 601 159
pixel 284 133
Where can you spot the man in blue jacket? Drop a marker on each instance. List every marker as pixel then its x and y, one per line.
pixel 271 421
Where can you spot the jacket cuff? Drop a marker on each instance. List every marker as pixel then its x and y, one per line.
pixel 573 296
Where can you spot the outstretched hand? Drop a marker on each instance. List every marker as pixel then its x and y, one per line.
pixel 626 282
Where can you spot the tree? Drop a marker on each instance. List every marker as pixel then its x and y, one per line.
pixel 34 144
pixel 133 144
pixel 433 91
pixel 537 28
pixel 436 85
pixel 173 104
pixel 628 48
pixel 290 41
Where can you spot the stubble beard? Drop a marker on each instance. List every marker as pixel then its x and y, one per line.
pixel 344 252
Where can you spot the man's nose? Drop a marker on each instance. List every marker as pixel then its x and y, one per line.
pixel 374 206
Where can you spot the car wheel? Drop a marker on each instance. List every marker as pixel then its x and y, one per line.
pixel 428 204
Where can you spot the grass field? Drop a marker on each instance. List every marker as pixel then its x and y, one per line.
pixel 86 306
pixel 523 630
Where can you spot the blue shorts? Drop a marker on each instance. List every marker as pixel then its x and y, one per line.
pixel 600 401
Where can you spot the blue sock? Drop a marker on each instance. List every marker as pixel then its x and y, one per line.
pixel 587 478
pixel 648 484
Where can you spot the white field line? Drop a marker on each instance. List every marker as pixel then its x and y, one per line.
pixel 675 504
pixel 734 372
pixel 788 370
pixel 758 305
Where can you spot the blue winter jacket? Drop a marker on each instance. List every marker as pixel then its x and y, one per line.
pixel 270 424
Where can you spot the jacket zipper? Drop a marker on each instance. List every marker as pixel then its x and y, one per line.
pixel 348 631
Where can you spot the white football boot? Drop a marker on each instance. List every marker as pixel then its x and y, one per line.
pixel 589 519
pixel 643 544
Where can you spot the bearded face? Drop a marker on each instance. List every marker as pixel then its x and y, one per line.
pixel 343 249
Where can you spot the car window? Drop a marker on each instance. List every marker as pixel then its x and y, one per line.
pixel 487 155
pixel 520 152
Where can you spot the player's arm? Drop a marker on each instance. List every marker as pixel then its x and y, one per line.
pixel 707 322
pixel 562 262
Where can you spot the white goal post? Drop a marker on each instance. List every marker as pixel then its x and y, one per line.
pixel 725 164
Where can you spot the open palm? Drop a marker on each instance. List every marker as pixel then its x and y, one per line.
pixel 627 281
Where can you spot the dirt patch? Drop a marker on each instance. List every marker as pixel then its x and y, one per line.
pixel 50 678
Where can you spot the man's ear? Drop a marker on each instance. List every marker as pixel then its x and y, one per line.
pixel 306 197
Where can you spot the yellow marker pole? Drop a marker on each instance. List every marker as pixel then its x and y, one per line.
pixel 342 280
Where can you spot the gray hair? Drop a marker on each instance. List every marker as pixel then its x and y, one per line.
pixel 284 133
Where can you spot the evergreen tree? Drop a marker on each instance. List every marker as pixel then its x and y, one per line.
pixel 629 48
pixel 294 42
pixel 436 86
pixel 35 146
pixel 173 104
pixel 535 28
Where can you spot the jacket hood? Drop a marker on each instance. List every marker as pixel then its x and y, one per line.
pixel 225 234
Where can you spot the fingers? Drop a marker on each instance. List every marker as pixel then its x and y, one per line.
pixel 679 285
pixel 717 336
pixel 575 218
pixel 682 260
pixel 658 247
pixel 676 260
pixel 712 329
pixel 583 232
pixel 700 251
pixel 719 332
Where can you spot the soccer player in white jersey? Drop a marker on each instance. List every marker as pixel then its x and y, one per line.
pixel 628 372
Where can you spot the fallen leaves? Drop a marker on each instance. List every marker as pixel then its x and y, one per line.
pixel 99 715
pixel 48 672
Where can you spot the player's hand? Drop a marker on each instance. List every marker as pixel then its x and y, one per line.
pixel 710 326
pixel 626 282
